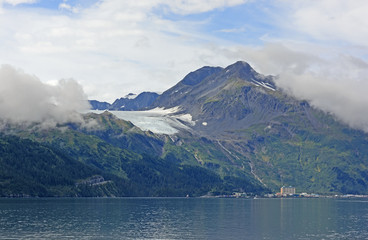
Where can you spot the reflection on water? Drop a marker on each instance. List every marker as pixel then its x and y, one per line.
pixel 179 218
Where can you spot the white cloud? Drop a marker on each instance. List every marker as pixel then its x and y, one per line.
pixel 335 84
pixel 176 6
pixel 24 98
pixel 339 88
pixel 329 20
pixel 195 6
pixel 113 47
pixel 16 2
pixel 232 30
pixel 65 6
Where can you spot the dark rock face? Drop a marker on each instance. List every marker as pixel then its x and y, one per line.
pixel 196 77
pixel 142 101
pixel 128 103
pixel 96 105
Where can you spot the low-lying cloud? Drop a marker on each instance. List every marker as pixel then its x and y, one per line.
pixel 336 84
pixel 339 87
pixel 25 99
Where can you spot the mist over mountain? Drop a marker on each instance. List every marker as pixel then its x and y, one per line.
pixel 336 84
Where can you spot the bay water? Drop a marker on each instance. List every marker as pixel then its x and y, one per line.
pixel 183 218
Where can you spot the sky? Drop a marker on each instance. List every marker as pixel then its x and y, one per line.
pixel 317 49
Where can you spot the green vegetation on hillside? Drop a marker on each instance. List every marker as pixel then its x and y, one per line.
pixel 324 160
pixel 62 162
pixel 28 168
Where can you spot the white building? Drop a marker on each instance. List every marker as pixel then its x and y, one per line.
pixel 287 190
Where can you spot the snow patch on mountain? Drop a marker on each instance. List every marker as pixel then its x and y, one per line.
pixel 263 84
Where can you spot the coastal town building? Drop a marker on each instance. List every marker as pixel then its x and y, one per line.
pixel 287 190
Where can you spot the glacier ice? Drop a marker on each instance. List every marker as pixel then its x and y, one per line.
pixel 158 120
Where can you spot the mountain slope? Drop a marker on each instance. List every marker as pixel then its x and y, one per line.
pixel 323 157
pixel 284 140
pixel 133 162
pixel 28 168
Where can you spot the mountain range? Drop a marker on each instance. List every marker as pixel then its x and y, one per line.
pixel 130 102
pixel 241 133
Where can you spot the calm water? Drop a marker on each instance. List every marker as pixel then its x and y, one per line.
pixel 178 218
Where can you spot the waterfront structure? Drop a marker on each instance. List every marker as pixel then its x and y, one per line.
pixel 287 190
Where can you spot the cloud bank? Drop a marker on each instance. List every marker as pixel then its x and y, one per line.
pixel 330 20
pixel 24 99
pixel 335 84
pixel 112 47
pixel 338 87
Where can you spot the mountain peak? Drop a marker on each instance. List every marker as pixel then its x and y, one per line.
pixel 242 68
pixel 131 96
pixel 194 78
pixel 240 64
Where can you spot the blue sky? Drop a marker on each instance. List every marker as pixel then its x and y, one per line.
pixel 240 24
pixel 48 4
pixel 114 47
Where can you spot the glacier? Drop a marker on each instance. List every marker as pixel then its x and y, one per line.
pixel 158 120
